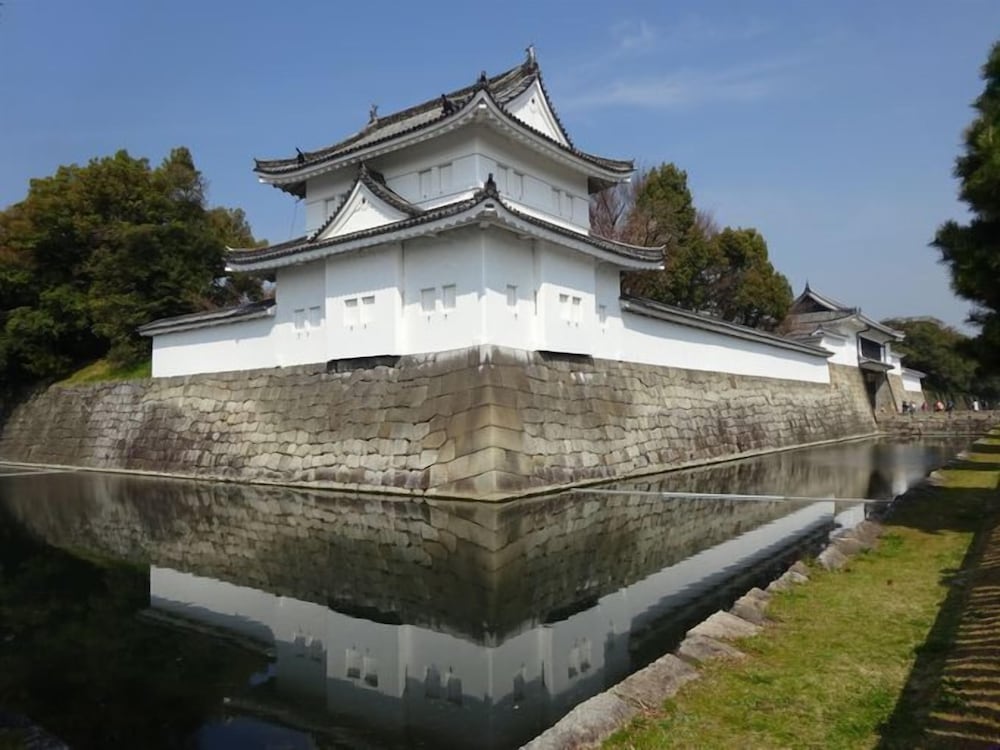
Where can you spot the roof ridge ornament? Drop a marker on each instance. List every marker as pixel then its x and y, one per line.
pixel 532 60
pixel 373 115
pixel 490 186
pixel 447 105
pixel 483 80
pixel 299 156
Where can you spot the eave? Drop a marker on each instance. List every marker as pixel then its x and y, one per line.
pixel 224 316
pixel 485 209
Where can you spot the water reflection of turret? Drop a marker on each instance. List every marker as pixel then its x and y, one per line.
pixel 414 679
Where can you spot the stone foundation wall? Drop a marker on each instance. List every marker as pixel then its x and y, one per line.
pixel 972 423
pixel 484 422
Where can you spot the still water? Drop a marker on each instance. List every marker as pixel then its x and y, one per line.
pixel 155 613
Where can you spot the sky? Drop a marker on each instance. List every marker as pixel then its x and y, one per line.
pixel 830 127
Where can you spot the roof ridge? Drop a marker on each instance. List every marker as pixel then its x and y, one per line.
pixel 464 92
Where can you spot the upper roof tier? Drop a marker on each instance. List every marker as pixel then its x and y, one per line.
pixel 500 101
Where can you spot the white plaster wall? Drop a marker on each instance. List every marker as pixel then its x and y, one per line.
pixel 324 193
pixel 509 261
pixel 245 345
pixel 637 338
pixel 911 382
pixel 532 108
pixel 435 172
pixel 301 287
pixel 845 350
pixel 569 326
pixel 357 328
pixel 548 189
pixel 452 260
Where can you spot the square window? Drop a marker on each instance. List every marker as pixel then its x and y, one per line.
pixel 299 319
pixel 428 299
pixel 444 175
pixel 367 309
pixel 351 313
pixel 602 314
pixel 577 315
pixel 425 183
pixel 448 297
pixel 512 296
pixel 315 316
pixel 564 310
pixel 516 185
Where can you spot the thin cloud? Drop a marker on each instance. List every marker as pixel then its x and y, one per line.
pixel 634 36
pixel 686 88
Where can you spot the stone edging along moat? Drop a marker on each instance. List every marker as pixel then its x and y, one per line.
pixel 594 720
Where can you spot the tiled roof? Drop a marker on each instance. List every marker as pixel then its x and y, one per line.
pixel 832 311
pixel 210 317
pixel 502 88
pixel 308 243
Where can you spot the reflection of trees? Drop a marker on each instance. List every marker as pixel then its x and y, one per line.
pixel 74 657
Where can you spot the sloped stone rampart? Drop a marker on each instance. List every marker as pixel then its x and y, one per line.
pixel 484 422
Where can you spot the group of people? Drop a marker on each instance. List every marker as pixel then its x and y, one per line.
pixel 910 407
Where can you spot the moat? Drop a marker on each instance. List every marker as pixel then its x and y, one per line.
pixel 155 613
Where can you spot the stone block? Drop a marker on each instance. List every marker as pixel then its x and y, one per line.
pixel 724 626
pixel 700 648
pixel 786 580
pixel 587 725
pixel 832 559
pixel 650 686
pixel 848 545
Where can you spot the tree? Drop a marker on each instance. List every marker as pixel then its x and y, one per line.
pixel 93 252
pixel 972 251
pixel 724 273
pixel 749 291
pixel 939 351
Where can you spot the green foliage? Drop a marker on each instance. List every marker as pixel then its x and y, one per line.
pixel 93 252
pixel 727 274
pixel 939 351
pixel 972 251
pixel 750 291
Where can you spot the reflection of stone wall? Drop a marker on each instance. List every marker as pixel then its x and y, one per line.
pixel 487 423
pixel 481 571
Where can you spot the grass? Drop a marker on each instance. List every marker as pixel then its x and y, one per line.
pixel 103 371
pixel 856 659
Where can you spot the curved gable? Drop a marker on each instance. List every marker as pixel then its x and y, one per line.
pixel 532 107
pixel 362 209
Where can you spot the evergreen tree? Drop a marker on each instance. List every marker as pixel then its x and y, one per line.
pixel 972 251
pixel 93 252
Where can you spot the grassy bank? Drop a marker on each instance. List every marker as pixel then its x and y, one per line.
pixel 103 371
pixel 900 650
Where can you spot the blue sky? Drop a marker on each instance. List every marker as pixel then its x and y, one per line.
pixel 831 127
